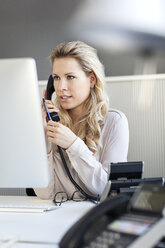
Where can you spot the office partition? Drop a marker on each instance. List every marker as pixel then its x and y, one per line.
pixel 142 99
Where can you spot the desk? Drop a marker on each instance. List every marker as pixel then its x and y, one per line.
pixel 48 227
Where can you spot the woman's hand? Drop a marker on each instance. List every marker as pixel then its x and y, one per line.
pixel 60 135
pixel 51 109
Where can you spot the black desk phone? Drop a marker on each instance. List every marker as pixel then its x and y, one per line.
pixel 119 221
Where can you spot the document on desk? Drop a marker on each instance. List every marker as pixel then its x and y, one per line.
pixel 25 204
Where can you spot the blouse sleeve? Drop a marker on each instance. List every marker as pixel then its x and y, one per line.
pixel 92 170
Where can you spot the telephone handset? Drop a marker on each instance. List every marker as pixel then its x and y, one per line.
pixel 49 91
pixel 49 88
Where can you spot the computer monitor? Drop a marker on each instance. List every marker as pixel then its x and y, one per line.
pixel 23 159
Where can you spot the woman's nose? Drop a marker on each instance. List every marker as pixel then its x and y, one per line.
pixel 63 85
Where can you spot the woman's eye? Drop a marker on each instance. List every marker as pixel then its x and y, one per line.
pixel 56 78
pixel 70 77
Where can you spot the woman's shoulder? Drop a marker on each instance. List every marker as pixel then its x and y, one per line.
pixel 115 121
pixel 114 115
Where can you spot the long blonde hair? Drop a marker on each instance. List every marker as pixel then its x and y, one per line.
pixel 96 106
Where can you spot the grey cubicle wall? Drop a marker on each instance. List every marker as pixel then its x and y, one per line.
pixel 142 99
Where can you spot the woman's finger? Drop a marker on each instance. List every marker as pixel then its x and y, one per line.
pixel 44 94
pixel 52 108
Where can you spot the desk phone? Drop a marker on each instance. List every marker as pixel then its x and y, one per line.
pixel 118 222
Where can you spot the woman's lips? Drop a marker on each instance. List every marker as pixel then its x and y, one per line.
pixel 65 98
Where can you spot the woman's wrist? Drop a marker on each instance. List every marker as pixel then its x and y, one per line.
pixel 48 145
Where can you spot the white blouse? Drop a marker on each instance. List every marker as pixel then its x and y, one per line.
pixel 89 170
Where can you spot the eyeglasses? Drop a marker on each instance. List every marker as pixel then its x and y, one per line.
pixel 61 197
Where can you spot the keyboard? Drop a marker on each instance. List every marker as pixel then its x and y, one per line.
pixel 25 204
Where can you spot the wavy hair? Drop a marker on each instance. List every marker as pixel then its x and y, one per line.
pixel 96 105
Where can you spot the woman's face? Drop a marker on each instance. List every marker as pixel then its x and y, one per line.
pixel 71 83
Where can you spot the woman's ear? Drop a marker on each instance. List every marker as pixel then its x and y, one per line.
pixel 92 79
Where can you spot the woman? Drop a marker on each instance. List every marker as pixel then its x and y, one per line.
pixel 91 135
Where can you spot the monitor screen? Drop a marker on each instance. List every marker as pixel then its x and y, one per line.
pixel 23 159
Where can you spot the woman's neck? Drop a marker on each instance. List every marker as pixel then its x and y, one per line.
pixel 75 116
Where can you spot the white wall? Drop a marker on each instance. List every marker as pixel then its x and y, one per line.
pixel 142 99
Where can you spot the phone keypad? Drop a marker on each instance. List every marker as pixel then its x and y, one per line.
pixel 111 239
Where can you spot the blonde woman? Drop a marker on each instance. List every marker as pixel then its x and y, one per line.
pixel 90 135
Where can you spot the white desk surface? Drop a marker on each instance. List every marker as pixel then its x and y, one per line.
pixel 48 227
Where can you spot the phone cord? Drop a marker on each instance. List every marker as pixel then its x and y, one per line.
pixel 73 181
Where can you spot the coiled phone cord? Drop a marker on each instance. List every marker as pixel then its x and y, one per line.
pixel 73 181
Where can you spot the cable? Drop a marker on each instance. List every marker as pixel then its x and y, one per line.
pixel 73 181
